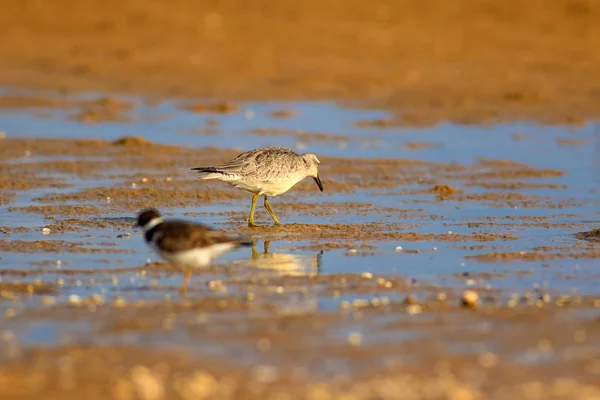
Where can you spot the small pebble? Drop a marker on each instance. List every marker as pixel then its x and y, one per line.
pixel 414 309
pixel 367 275
pixel 546 298
pixel 97 299
pixel 119 302
pixel 442 296
pixel 48 300
pixel 359 303
pixel 46 231
pixel 355 338
pixel 215 284
pixel 133 185
pixel 144 180
pixel 398 248
pixel 74 299
pixel 469 298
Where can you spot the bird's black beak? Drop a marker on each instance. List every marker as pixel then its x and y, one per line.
pixel 318 180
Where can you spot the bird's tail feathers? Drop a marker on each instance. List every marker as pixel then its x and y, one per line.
pixel 211 173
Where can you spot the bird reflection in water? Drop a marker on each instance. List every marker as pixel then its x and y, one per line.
pixel 299 297
pixel 285 264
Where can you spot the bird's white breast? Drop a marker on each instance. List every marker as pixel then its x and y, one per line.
pixel 199 257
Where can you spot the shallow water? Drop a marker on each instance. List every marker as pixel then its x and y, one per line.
pixel 430 261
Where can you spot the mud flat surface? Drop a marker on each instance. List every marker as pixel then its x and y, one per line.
pixel 439 263
pixel 430 61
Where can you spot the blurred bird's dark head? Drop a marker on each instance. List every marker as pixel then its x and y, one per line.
pixel 146 216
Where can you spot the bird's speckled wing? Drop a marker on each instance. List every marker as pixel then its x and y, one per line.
pixel 274 163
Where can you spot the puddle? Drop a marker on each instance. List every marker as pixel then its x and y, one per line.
pixel 101 261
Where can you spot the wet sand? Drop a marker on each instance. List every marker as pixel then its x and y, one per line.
pixel 257 328
pixel 465 61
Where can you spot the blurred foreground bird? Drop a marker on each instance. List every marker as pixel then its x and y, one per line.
pixel 184 244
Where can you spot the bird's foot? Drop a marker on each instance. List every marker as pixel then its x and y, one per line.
pixel 253 225
pixel 183 291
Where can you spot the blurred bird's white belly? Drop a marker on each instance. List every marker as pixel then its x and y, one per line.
pixel 199 257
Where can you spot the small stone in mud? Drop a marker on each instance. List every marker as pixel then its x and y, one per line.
pixel 469 299
pixel 414 309
pixel 398 248
pixel 410 299
pixel 367 275
pixel 48 300
pixel 131 141
pixel 373 123
pixel 355 338
pixel 119 302
pixel 593 235
pixel 545 298
pixel 46 231
pixel 222 107
pixel 444 190
pixel 74 299
pixel 282 113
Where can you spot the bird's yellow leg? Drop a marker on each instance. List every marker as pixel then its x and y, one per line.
pixel 254 251
pixel 186 281
pixel 251 217
pixel 270 210
pixel 266 246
